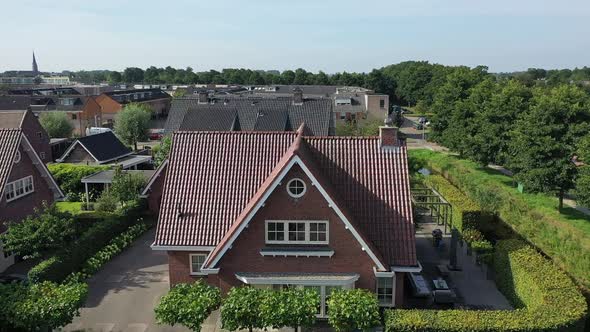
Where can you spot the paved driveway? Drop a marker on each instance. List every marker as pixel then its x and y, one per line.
pixel 123 294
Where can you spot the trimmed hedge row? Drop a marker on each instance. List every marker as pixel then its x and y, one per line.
pixel 529 215
pixel 69 176
pixel 115 247
pixel 467 214
pixel 73 258
pixel 546 300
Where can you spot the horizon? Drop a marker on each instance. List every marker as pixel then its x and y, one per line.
pixel 332 36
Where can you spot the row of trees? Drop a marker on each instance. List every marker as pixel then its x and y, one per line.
pixel 535 131
pixel 252 308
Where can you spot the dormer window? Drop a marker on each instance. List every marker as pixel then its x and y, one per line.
pixel 296 188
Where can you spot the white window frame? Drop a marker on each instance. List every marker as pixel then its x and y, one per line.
pixel 190 262
pixel 296 195
pixel 17 157
pixel 391 302
pixel 11 188
pixel 286 232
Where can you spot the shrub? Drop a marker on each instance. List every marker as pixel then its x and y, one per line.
pixel 72 257
pixel 188 305
pixel 69 176
pixel 106 202
pixel 241 309
pixel 544 297
pixel 115 246
pixel 44 306
pixel 126 186
pixel 47 230
pixel 355 309
pixel 292 307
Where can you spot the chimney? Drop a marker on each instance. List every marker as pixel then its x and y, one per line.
pixel 388 137
pixel 297 96
pixel 203 97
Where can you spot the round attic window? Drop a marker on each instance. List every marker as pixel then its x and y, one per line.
pixel 17 157
pixel 296 188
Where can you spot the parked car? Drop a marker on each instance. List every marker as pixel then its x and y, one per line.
pixel 97 130
pixel 418 126
pixel 156 134
pixel 422 120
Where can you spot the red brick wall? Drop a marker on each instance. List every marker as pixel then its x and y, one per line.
pixel 37 136
pixel 245 254
pixel 155 194
pixel 179 267
pixel 20 208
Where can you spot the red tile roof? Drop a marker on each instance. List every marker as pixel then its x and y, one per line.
pixel 9 142
pixel 216 178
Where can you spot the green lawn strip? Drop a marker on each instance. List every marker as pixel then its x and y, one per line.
pixel 565 237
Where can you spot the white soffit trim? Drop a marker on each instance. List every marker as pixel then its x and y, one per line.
pixel 274 281
pixel 310 253
pixel 382 274
pixel 41 165
pixel 277 181
pixel 407 268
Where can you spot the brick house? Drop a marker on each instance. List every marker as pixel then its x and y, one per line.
pixel 282 209
pixel 31 127
pixel 25 182
pixel 111 103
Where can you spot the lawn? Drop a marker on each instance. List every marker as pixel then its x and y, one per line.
pixel 563 235
pixel 74 208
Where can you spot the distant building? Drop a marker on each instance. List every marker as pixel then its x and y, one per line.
pixel 113 102
pixel 25 77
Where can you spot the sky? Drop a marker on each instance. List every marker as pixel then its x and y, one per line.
pixel 333 36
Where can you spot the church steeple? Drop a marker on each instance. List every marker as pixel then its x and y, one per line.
pixel 35 68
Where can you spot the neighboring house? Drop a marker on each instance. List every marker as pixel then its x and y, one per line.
pixel 82 111
pixel 102 149
pixel 112 102
pixel 282 209
pixel 25 182
pixel 231 113
pixel 31 127
pixel 154 187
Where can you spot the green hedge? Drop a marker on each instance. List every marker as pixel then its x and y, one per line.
pixel 69 176
pixel 73 258
pixel 545 299
pixel 565 237
pixel 115 247
pixel 467 214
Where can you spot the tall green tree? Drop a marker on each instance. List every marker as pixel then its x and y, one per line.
pixel 133 75
pixel 126 186
pixel 56 124
pixel 132 123
pixel 543 141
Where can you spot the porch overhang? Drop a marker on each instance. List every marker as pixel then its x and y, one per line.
pixel 274 278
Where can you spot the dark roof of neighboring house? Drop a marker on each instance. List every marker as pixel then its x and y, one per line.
pixel 41 103
pixel 44 91
pixel 103 147
pixel 126 96
pixel 205 168
pixel 251 114
pixel 12 119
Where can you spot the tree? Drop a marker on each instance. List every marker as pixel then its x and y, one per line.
pixel 39 307
pixel 56 124
pixel 543 141
pixel 132 123
pixel 126 186
pixel 355 309
pixel 133 75
pixel 291 307
pixel 46 230
pixel 241 309
pixel 162 150
pixel 188 305
pixel 114 77
pixel 583 186
pixel 421 108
